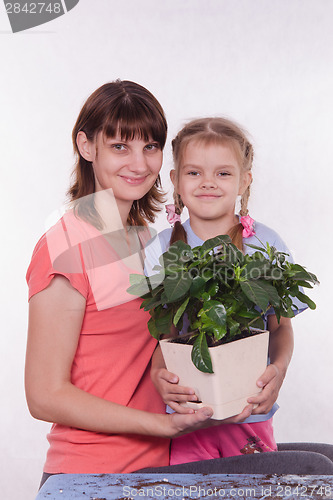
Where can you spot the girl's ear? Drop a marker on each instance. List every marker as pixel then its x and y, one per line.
pixel 87 148
pixel 173 177
pixel 245 181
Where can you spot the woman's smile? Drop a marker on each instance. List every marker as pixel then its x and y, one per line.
pixel 134 180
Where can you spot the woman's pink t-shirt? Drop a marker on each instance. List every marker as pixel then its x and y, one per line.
pixel 113 355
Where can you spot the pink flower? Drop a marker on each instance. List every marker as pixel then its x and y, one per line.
pixel 172 216
pixel 247 223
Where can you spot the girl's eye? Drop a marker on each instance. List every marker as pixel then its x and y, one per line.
pixel 223 174
pixel 194 173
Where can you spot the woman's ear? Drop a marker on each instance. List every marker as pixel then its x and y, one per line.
pixel 173 176
pixel 245 182
pixel 87 148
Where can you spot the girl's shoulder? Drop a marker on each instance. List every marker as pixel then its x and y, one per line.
pixel 157 245
pixel 266 235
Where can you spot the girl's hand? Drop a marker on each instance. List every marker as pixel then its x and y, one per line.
pixel 172 394
pixel 281 343
pixel 270 381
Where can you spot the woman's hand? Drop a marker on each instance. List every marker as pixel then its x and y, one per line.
pixel 202 418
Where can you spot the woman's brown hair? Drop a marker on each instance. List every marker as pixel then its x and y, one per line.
pixel 212 131
pixel 129 109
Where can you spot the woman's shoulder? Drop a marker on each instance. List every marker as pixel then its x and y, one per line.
pixel 58 252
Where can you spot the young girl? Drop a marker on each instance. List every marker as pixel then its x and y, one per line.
pixel 213 161
pixel 89 350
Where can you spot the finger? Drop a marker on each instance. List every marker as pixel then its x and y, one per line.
pixel 268 394
pixel 257 400
pixel 172 378
pixel 270 372
pixel 262 409
pixel 188 423
pixel 246 412
pixel 181 398
pixel 179 408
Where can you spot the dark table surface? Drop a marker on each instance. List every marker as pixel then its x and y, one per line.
pixel 185 486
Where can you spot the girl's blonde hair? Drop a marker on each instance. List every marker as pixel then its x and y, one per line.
pixel 129 109
pixel 212 131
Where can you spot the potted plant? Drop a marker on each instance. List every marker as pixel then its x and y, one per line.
pixel 219 296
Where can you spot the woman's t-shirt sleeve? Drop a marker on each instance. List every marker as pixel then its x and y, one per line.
pixel 52 256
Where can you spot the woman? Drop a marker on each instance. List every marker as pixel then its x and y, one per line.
pixel 89 350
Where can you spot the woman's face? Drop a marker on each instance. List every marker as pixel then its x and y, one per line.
pixel 129 168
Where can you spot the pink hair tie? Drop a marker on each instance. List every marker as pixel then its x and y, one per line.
pixel 172 216
pixel 248 225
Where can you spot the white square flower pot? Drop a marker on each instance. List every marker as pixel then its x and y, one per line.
pixel 236 365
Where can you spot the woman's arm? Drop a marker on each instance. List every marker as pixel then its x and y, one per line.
pixel 281 346
pixel 55 320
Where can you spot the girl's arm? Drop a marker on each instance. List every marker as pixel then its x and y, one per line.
pixel 55 319
pixel 281 346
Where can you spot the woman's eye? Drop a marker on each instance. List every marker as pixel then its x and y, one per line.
pixel 118 147
pixel 152 146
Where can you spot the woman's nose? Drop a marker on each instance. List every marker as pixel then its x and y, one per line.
pixel 138 162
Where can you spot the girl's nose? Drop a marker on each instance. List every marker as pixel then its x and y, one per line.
pixel 208 183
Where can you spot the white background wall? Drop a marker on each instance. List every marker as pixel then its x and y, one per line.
pixel 268 65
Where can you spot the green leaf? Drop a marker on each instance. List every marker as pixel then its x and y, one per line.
pixel 207 325
pixel 200 354
pixel 255 293
pixel 261 249
pixel 138 288
pixel 258 323
pixel 174 253
pixel 212 243
pixel 176 287
pixel 151 303
pixel 233 327
pixel 271 291
pixel 135 279
pixel 244 313
pixel 216 312
pixel 298 272
pixel 180 311
pixel 304 284
pixel 152 329
pixel 163 323
pixel 213 289
pixel 197 285
pixel 305 299
pixel 255 269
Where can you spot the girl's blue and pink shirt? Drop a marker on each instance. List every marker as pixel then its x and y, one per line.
pixel 160 243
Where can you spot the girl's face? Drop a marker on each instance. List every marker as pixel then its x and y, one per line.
pixel 130 167
pixel 210 180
